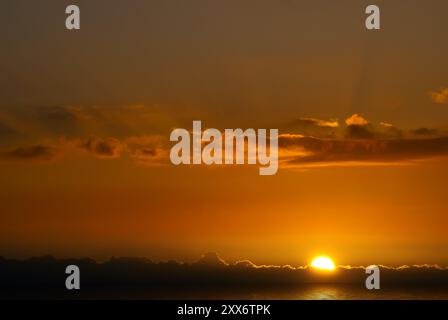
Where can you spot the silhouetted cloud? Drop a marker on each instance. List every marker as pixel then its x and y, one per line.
pixel 425 132
pixel 312 126
pixel 30 153
pixel 358 128
pixel 355 131
pixel 364 151
pixel 145 153
pixel 361 143
pixel 44 277
pixel 103 147
pixel 306 141
pixel 211 259
pixel 148 150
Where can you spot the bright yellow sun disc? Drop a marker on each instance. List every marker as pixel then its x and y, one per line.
pixel 323 263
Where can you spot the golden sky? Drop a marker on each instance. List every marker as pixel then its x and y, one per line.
pixel 85 118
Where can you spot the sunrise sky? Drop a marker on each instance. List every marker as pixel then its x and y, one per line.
pixel 85 118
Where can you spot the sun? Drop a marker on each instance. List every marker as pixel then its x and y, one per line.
pixel 323 263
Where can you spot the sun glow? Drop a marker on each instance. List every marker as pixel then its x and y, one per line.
pixel 323 263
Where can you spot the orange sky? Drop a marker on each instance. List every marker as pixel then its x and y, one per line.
pixel 86 116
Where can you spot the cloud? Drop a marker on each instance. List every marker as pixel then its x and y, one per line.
pixel 440 96
pixel 146 153
pixel 41 121
pixel 356 120
pixel 125 120
pixel 148 150
pixel 388 130
pixel 46 122
pixel 308 141
pixel 358 128
pixel 150 156
pixel 57 120
pixel 103 147
pixel 359 132
pixel 317 122
pixel 209 273
pixel 38 152
pixel 211 260
pixel 311 126
pixel 386 125
pixel 316 151
pixel 424 132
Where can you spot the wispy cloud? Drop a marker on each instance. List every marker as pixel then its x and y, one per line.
pixel 318 122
